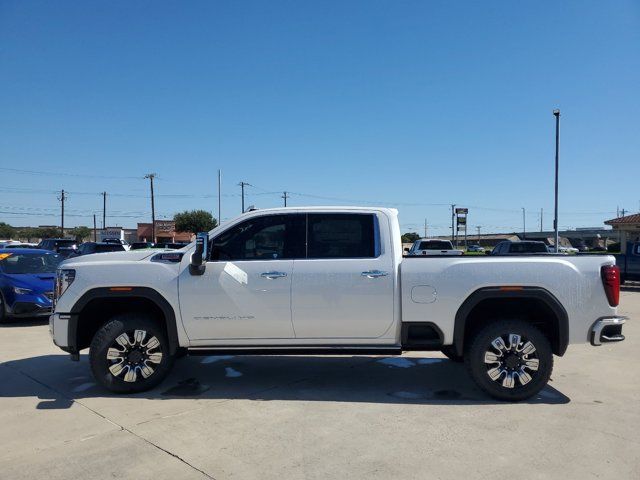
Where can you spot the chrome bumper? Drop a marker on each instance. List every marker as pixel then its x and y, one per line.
pixel 607 330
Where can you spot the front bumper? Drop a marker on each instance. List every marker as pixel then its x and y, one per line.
pixel 59 330
pixel 607 330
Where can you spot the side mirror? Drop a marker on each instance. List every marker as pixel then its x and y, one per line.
pixel 199 256
pixel 406 250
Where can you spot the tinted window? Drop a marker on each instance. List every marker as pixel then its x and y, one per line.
pixel 526 247
pixel 435 245
pixel 111 247
pixel 340 236
pixel 21 263
pixel 272 237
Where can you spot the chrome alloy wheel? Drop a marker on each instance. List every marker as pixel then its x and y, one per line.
pixel 128 357
pixel 515 359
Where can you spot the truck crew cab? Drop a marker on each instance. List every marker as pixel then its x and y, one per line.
pixel 330 280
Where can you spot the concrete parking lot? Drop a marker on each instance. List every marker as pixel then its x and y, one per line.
pixel 418 416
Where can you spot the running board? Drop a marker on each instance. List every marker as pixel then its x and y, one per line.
pixel 296 351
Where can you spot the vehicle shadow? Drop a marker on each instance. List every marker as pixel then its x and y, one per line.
pixel 24 322
pixel 57 382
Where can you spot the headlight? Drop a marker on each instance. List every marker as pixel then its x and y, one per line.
pixel 22 291
pixel 64 279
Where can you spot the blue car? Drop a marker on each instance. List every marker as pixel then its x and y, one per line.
pixel 26 282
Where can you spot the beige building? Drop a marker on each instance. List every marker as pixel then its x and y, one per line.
pixel 628 227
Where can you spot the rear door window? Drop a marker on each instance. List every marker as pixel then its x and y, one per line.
pixel 341 235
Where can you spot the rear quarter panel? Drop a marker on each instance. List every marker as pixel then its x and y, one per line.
pixel 574 280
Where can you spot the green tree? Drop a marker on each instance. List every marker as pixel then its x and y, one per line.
pixel 80 233
pixel 6 231
pixel 410 237
pixel 46 232
pixel 194 221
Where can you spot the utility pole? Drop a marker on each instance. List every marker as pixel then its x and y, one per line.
pixel 151 176
pixel 94 228
pixel 478 227
pixel 242 185
pixel 623 212
pixel 453 217
pixel 219 196
pixel 541 212
pixel 62 197
pixel 285 196
pixel 104 210
pixel 425 228
pixel 556 114
pixel 524 223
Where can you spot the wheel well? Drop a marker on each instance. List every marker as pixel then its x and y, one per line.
pixel 99 311
pixel 532 309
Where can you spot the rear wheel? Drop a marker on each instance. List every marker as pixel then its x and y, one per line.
pixel 130 353
pixel 510 360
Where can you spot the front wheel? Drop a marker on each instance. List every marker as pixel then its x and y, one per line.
pixel 130 354
pixel 510 360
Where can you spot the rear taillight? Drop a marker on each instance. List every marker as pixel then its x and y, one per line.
pixel 611 283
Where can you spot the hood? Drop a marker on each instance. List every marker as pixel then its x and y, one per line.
pixel 128 256
pixel 38 282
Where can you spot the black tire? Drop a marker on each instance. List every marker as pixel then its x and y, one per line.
pixel 103 368
pixel 510 363
pixel 449 351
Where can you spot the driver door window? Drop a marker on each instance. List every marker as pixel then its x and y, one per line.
pixel 272 237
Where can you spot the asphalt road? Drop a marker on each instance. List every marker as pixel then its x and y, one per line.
pixel 418 416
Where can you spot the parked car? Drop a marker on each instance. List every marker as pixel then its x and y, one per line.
pixel 55 244
pixel 140 245
pixel 89 248
pixel 18 245
pixel 629 262
pixel 117 241
pixel 433 247
pixel 523 247
pixel 351 290
pixel 475 248
pixel 171 246
pixel 26 282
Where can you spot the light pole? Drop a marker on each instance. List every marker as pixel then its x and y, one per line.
pixel 556 113
pixel 524 223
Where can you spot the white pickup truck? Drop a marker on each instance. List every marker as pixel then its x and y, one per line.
pixel 330 281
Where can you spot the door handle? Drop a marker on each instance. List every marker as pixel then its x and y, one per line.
pixel 374 274
pixel 272 275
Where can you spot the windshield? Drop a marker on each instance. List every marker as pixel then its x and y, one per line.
pixel 20 263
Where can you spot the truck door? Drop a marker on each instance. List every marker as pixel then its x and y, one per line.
pixel 344 288
pixel 245 292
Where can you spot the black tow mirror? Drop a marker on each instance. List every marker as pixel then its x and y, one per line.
pixel 199 257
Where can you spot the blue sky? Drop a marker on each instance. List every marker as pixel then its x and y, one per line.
pixel 412 104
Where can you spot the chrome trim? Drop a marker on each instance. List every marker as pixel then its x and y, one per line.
pixel 272 275
pixel 598 326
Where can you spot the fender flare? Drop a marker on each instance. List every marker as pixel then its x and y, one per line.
pixel 538 293
pixel 119 292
